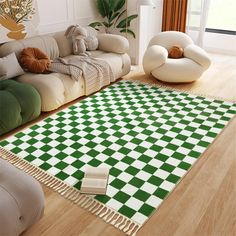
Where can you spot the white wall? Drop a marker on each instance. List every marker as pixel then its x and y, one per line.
pixel 150 20
pixel 56 15
pixel 146 26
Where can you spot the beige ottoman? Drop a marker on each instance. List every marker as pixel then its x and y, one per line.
pixel 21 200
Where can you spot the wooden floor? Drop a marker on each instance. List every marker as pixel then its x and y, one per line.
pixel 203 203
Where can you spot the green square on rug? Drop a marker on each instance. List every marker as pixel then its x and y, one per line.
pixel 149 137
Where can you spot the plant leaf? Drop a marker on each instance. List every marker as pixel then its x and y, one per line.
pixel 125 23
pixel 129 31
pixel 110 16
pixel 112 4
pixel 119 16
pixel 106 24
pixel 95 24
pixel 103 8
pixel 119 5
pixel 114 16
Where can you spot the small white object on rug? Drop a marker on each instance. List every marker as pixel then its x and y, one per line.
pixel 95 180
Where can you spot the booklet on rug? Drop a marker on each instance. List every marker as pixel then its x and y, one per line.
pixel 95 180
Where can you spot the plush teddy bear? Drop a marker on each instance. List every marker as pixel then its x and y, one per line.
pixel 175 52
pixel 78 35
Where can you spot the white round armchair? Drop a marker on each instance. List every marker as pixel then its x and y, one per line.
pixel 186 69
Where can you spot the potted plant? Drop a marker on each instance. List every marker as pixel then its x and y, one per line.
pixel 114 16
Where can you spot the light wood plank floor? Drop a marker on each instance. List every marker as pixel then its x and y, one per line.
pixel 203 203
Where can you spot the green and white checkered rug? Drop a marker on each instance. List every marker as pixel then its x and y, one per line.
pixel 148 136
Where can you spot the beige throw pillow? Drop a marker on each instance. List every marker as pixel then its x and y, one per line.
pixel 91 43
pixel 91 40
pixel 10 67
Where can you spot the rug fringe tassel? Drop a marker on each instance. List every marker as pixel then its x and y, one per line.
pixel 87 206
pixel 191 92
pixel 97 206
pixel 92 207
pixel 119 222
pixel 109 215
pixel 115 218
pixel 124 224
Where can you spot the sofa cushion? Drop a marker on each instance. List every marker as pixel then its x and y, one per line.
pixel 64 44
pixel 113 43
pixel 19 103
pixel 47 44
pixel 119 63
pixel 54 89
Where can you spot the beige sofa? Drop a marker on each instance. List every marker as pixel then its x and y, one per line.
pixel 57 89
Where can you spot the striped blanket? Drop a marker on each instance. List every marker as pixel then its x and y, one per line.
pixel 96 72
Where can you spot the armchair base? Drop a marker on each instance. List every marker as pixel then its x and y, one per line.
pixel 182 70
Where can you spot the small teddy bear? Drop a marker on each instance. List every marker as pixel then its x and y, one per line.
pixel 78 35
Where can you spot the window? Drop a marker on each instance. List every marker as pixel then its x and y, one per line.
pixel 194 14
pixel 218 19
pixel 222 17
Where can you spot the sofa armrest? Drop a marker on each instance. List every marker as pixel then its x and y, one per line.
pixel 113 43
pixel 154 57
pixel 198 55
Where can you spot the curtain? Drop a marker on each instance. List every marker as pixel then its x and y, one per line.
pixel 197 15
pixel 174 15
